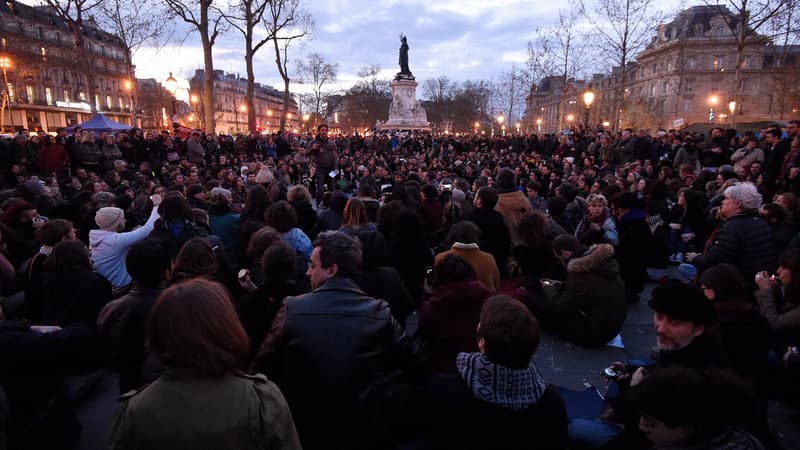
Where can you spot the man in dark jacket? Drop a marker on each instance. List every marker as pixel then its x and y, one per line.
pixel 123 322
pixel 498 390
pixel 326 156
pixel 495 238
pixel 634 241
pixel 744 240
pixel 327 348
pixel 716 151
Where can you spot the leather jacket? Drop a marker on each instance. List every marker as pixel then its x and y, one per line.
pixel 325 350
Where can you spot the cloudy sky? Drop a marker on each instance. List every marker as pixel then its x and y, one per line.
pixel 465 39
pixel 460 39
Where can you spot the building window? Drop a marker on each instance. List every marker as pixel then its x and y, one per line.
pixel 66 95
pixel 11 93
pixel 109 102
pixel 44 53
pixel 665 88
pixel 82 96
pixel 29 91
pixel 687 106
pixel 48 95
pixel 97 101
pixel 121 103
pixel 3 43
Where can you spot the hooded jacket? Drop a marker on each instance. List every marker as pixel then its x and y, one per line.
pixel 513 206
pixel 589 308
pixel 109 249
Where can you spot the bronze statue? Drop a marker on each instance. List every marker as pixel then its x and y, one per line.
pixel 404 56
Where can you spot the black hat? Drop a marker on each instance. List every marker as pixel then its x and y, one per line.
pixel 682 302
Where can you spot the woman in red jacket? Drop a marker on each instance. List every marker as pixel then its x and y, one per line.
pixel 53 156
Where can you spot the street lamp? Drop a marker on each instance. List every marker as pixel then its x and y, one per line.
pixel 518 125
pixel 172 86
pixel 5 63
pixel 732 109
pixel 129 88
pixel 500 120
pixel 477 125
pixel 306 116
pixel 195 99
pixel 539 124
pixel 570 117
pixel 588 98
pixel 712 102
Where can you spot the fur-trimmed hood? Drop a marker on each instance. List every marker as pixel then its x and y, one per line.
pixel 599 258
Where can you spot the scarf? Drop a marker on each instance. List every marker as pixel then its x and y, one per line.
pixel 514 389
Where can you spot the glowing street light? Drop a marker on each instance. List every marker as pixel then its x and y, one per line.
pixel 306 116
pixel 5 64
pixel 172 86
pixel 539 124
pixel 712 102
pixel 518 126
pixel 588 98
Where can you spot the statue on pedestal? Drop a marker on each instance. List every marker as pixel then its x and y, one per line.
pixel 405 72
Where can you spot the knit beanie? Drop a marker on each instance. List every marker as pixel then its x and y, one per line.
pixel 109 218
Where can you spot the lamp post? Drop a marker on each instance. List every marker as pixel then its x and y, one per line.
pixel 539 125
pixel 5 63
pixel 588 98
pixel 518 127
pixel 732 110
pixel 500 120
pixel 195 99
pixel 477 125
pixel 712 102
pixel 306 116
pixel 172 86
pixel 129 88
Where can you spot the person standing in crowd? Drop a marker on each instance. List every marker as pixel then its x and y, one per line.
pixel 325 155
pixel 204 399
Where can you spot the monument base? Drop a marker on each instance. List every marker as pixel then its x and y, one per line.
pixel 405 112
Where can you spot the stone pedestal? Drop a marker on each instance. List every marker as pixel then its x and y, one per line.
pixel 405 113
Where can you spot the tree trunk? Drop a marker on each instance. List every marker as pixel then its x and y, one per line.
pixel 251 80
pixel 208 80
pixel 86 65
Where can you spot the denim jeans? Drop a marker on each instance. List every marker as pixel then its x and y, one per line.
pixel 687 271
pixel 324 182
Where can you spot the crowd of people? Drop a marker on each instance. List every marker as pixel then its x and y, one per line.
pixel 261 291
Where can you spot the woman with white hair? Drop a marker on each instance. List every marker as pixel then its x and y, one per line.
pixel 597 227
pixel 743 240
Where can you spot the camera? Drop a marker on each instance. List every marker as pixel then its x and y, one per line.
pixel 611 373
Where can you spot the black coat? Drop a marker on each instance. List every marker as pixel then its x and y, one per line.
pixel 746 336
pixel 123 323
pixel 325 350
pixel 632 252
pixel 495 238
pixel 73 296
pixel 744 241
pixel 589 308
pixel 453 418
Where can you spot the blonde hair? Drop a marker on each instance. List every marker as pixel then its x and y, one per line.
pixel 355 213
pixel 597 198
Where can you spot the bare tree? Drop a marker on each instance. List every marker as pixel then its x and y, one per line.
pixel 368 101
pixel 286 22
pixel 744 19
pixel 318 73
pixel 133 23
pixel 439 92
pixel 73 13
pixel 245 16
pixel 206 19
pixel 784 32
pixel 563 47
pixel 511 89
pixel 622 28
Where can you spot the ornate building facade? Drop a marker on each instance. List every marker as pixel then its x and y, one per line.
pixel 685 75
pixel 45 89
pixel 230 110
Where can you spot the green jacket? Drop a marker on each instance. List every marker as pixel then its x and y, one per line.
pixel 183 411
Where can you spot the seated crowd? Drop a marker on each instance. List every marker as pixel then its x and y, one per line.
pixel 379 292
